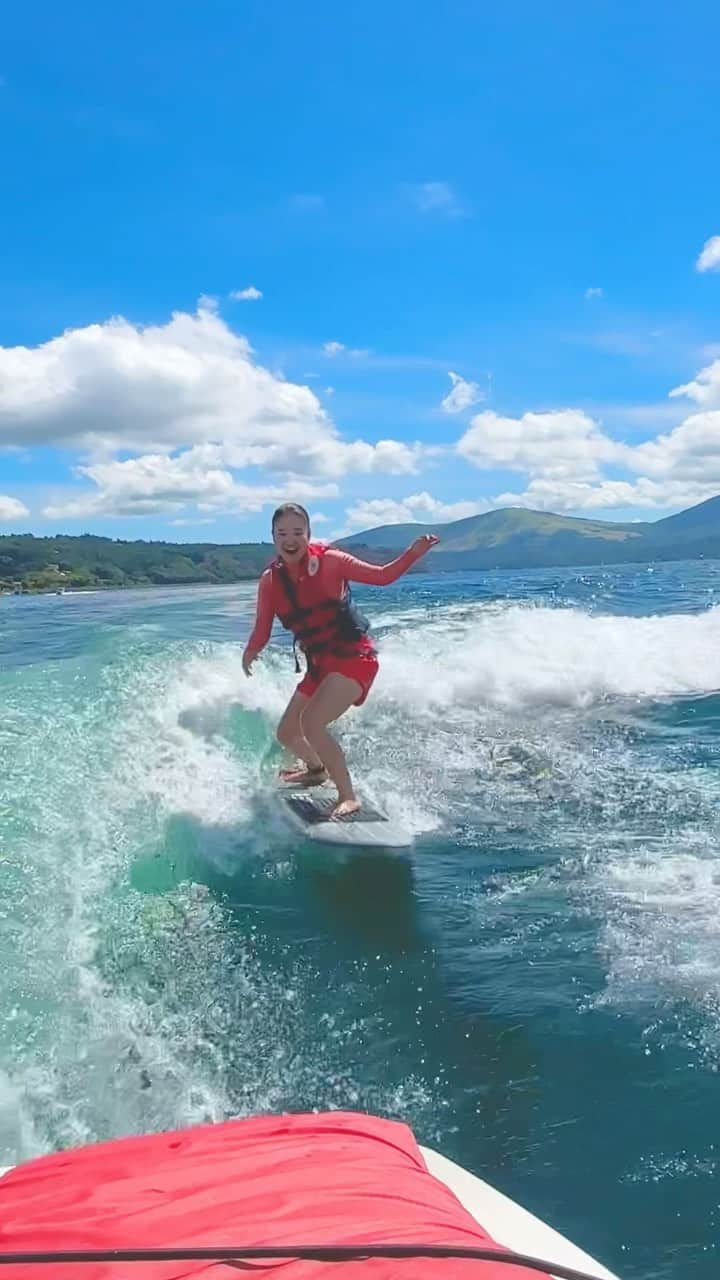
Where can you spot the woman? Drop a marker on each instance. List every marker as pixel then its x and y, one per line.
pixel 306 587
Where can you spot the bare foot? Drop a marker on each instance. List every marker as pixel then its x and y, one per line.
pixel 344 808
pixel 304 777
pixel 285 775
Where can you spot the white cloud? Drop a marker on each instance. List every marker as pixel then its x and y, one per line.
pixel 690 452
pixel 189 400
pixel 563 453
pixel 463 395
pixel 562 444
pixel 117 387
pixel 156 484
pixel 12 509
pixel 594 293
pixel 709 259
pixel 436 197
pixel 391 457
pixel 327 456
pixel 251 294
pixel 705 389
pixel 168 419
pixel 420 508
pixel 559 495
pixel 608 495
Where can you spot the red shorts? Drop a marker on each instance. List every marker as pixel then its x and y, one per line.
pixel 362 667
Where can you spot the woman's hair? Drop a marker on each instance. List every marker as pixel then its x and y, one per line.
pixel 290 509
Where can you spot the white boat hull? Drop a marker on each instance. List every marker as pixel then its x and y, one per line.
pixel 507 1222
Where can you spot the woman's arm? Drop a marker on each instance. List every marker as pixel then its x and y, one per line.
pixel 350 569
pixel 264 616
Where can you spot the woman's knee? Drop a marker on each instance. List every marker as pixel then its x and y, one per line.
pixel 310 722
pixel 314 724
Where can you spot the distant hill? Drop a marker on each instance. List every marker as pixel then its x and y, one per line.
pixel 53 564
pixel 702 520
pixel 515 538
pixel 493 528
pixel 510 538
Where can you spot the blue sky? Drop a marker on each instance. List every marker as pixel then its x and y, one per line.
pixel 523 196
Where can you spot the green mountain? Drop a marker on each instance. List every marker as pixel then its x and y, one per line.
pixel 515 538
pixel 512 538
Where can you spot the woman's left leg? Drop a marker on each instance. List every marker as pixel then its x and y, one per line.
pixel 335 694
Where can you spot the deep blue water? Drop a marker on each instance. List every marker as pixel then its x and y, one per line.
pixel 536 989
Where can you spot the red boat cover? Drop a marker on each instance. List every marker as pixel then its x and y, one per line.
pixel 330 1179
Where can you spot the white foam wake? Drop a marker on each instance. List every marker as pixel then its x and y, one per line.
pixel 515 656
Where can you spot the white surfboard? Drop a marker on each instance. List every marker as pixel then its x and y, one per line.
pixel 309 810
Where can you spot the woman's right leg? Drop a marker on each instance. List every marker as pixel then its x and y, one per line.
pixel 290 735
pixel 331 699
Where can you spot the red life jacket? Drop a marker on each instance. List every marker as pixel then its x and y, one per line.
pixel 321 624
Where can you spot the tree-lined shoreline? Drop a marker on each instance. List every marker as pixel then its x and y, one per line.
pixel 507 538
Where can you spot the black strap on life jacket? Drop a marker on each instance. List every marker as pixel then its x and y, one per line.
pixel 294 602
pixel 349 624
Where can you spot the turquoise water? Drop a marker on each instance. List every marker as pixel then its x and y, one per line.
pixel 536 989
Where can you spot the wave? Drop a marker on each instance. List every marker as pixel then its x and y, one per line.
pixel 131 804
pixel 514 656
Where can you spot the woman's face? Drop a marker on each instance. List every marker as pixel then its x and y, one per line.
pixel 291 536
